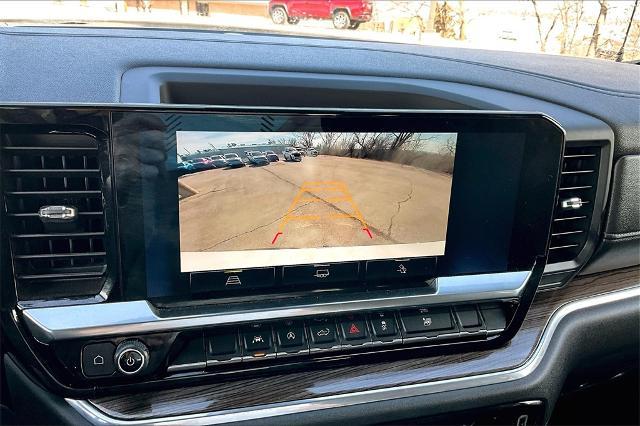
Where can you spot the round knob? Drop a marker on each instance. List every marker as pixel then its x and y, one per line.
pixel 131 357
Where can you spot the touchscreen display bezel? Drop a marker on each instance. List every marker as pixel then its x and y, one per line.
pixel 532 197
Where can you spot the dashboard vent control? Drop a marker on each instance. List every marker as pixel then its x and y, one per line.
pixel 53 214
pixel 53 202
pixel 576 195
pixel 571 203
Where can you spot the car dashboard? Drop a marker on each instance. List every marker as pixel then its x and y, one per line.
pixel 108 317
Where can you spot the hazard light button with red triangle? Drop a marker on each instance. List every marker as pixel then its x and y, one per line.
pixel 353 328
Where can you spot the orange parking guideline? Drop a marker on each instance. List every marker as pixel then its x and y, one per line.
pixel 321 186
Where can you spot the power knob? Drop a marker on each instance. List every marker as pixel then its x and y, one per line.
pixel 131 357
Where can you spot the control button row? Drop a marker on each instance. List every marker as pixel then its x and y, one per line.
pixel 300 337
pixel 375 271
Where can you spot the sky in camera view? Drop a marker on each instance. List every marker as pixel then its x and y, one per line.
pixel 606 29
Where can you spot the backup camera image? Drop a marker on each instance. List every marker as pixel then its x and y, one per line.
pixel 252 199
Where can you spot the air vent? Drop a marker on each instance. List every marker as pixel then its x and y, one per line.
pixel 575 204
pixel 53 202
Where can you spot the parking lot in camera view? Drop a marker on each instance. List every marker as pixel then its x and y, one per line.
pixel 324 201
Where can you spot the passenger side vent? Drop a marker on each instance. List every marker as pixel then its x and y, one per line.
pixel 53 204
pixel 575 203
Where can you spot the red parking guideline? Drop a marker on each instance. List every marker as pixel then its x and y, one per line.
pixel 276 237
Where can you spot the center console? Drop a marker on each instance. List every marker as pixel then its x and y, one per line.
pixel 247 240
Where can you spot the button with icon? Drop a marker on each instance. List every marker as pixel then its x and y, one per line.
pixel 354 329
pixel 257 340
pixel 320 274
pixel 322 332
pixel 232 280
pixel 97 359
pixel 291 337
pixel 131 357
pixel 427 321
pixel 378 271
pixel 384 326
pixel 131 361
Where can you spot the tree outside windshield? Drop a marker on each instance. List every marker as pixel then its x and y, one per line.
pixel 604 29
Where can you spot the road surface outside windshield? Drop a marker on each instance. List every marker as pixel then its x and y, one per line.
pixel 264 199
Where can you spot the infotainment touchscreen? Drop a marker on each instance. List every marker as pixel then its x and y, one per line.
pixel 217 201
pixel 256 199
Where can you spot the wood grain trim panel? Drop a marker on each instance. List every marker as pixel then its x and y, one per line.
pixel 283 387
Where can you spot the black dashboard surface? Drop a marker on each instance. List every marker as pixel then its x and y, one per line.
pixel 87 65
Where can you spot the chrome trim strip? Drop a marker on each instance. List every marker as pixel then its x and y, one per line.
pixel 94 415
pixel 128 318
pixel 186 367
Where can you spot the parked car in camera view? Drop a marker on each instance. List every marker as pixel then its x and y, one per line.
pixel 345 14
pixel 184 167
pixel 257 158
pixel 291 154
pixel 233 160
pixel 312 152
pixel 218 161
pixel 271 156
pixel 202 164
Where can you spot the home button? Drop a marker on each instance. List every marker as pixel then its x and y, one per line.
pixel 97 359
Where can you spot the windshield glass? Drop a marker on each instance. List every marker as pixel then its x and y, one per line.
pixel 230 156
pixel 605 29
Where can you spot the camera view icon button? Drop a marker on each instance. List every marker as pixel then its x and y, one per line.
pixel 320 273
pixel 232 280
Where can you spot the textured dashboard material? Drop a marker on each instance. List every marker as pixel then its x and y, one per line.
pixel 624 217
pixel 319 382
pixel 620 246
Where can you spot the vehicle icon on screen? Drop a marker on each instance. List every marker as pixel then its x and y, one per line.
pixel 321 273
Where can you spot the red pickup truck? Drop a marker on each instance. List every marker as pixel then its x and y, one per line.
pixel 344 13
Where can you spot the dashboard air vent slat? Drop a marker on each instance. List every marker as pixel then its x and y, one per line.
pixel 52 257
pixel 574 208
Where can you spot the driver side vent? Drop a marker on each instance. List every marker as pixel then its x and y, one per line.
pixel 575 202
pixel 53 202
